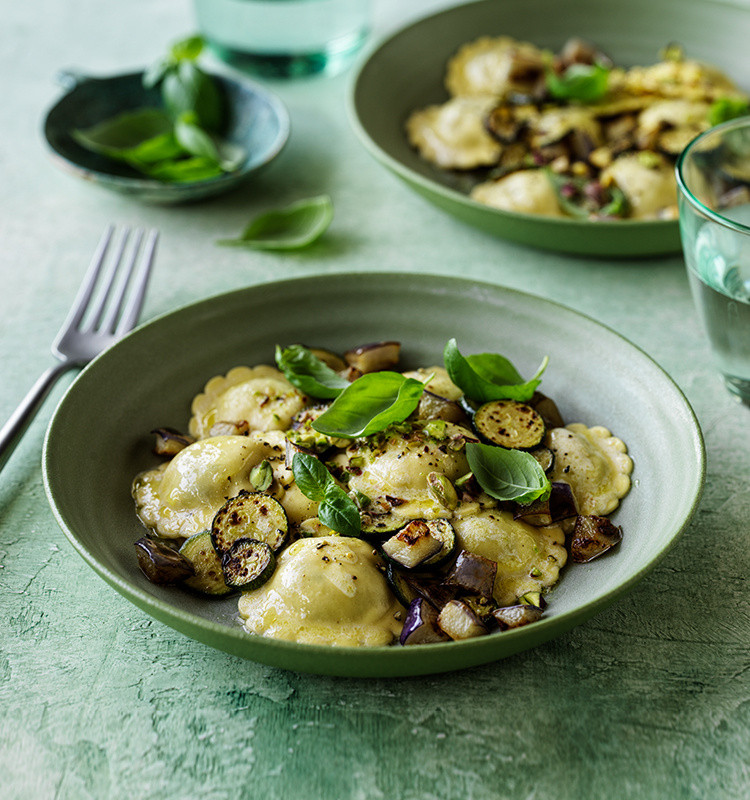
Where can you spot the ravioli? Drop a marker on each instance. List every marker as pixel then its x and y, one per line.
pixel 453 135
pixel 493 66
pixel 647 181
pixel 397 468
pixel 260 396
pixel 593 463
pixel 180 497
pixel 528 558
pixel 527 191
pixel 439 382
pixel 325 590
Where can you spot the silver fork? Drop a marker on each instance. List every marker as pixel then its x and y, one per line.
pixel 107 306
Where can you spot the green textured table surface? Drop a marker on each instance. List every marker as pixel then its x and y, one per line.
pixel 647 700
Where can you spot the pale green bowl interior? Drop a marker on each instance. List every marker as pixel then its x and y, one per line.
pixel 99 437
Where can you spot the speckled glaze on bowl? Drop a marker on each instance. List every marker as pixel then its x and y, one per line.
pixel 405 72
pixel 257 120
pixel 99 438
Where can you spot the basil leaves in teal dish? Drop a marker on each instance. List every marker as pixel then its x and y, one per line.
pixel 335 508
pixel 306 372
pixel 507 474
pixel 488 376
pixel 370 404
pixel 178 141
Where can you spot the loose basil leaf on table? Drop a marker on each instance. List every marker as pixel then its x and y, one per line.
pixel 488 376
pixel 308 373
pixel 507 474
pixel 335 508
pixel 291 228
pixel 370 404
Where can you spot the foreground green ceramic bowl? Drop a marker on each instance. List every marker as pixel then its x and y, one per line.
pixel 99 437
pixel 257 121
pixel 406 71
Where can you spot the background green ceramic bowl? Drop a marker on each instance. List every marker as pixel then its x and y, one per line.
pixel 406 72
pixel 99 437
pixel 257 121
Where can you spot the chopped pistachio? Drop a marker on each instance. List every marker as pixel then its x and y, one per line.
pixel 261 476
pixel 442 490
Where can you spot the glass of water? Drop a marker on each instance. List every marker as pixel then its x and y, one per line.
pixel 284 38
pixel 713 176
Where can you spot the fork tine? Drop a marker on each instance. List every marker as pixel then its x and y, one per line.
pixel 107 322
pixel 134 305
pixel 86 289
pixel 98 310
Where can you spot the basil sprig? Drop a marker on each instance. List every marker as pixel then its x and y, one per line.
pixel 335 508
pixel 583 82
pixel 308 373
pixel 488 376
pixel 177 142
pixel 508 474
pixel 370 404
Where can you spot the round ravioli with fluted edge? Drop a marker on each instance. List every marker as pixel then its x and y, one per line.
pixel 593 463
pixel 529 559
pixel 453 135
pixel 325 590
pixel 396 465
pixel 260 396
pixel 181 496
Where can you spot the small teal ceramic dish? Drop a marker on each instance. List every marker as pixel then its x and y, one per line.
pixel 99 439
pixel 257 121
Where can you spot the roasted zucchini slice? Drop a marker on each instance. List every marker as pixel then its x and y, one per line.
pixel 248 563
pixel 442 530
pixel 209 577
pixel 250 515
pixel 510 424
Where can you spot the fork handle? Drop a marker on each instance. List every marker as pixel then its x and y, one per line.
pixel 16 426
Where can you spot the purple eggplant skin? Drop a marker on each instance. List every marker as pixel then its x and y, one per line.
pixel 162 564
pixel 421 625
pixel 559 505
pixel 515 616
pixel 593 536
pixel 474 574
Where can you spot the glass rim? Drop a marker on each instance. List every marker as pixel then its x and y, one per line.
pixel 739 122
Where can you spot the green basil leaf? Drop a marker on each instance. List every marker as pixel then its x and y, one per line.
pixel 291 228
pixel 726 108
pixel 488 376
pixel 335 508
pixel 339 512
pixel 308 373
pixel 507 474
pixel 117 136
pixel 154 74
pixel 199 142
pixel 370 404
pixel 583 82
pixel 186 87
pixel 187 49
pixel 311 476
pixel 186 170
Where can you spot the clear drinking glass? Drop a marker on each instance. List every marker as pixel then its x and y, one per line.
pixel 713 176
pixel 285 38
